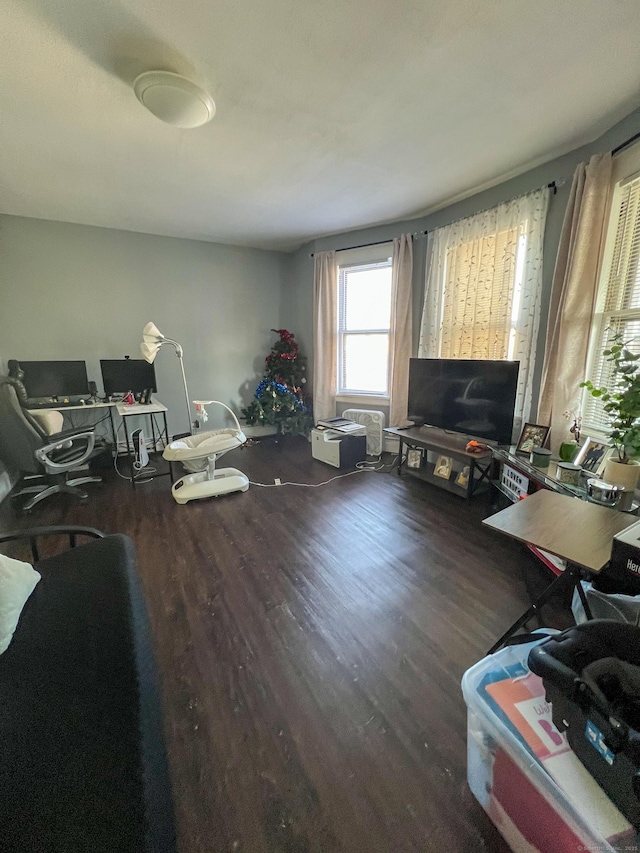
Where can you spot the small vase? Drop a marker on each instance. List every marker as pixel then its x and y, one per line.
pixel 567 451
pixel 620 474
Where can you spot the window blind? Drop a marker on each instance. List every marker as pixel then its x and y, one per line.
pixel 618 304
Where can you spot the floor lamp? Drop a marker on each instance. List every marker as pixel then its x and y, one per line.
pixel 152 340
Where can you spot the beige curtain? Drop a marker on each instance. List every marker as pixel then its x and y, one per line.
pixel 325 335
pixel 401 326
pixel 573 295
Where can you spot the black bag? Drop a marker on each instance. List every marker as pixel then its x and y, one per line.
pixel 591 675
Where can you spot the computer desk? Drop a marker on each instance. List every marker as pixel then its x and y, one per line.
pixel 578 531
pixel 124 410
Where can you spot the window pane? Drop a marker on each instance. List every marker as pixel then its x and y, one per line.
pixel 366 363
pixel 367 298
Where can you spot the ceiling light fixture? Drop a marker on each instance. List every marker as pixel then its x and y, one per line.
pixel 174 99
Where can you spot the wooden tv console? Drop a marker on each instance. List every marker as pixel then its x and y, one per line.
pixel 432 444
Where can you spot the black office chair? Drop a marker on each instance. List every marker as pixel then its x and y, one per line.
pixel 44 461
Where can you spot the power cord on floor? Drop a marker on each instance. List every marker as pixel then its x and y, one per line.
pixel 359 470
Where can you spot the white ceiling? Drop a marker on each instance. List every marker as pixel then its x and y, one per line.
pixel 331 115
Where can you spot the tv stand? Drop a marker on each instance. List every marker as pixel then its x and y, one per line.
pixel 433 443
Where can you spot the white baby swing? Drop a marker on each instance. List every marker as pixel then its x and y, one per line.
pixel 198 454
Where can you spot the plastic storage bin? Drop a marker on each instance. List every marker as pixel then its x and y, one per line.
pixel 522 770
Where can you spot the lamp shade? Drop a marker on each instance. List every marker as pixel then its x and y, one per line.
pixel 152 339
pixel 150 351
pixel 151 334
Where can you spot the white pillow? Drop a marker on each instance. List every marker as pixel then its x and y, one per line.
pixel 17 582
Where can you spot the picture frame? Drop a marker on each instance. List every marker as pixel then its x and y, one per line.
pixel 462 479
pixel 603 463
pixel 532 435
pixel 443 467
pixel 415 456
pixel 592 455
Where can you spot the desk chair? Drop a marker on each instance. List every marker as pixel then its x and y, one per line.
pixel 26 446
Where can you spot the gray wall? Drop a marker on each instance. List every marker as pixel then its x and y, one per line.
pixel 298 308
pixel 78 292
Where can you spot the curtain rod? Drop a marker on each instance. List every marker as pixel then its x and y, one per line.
pixel 366 245
pixel 552 186
pixel 625 144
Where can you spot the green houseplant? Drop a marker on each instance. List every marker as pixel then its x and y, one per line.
pixel 622 406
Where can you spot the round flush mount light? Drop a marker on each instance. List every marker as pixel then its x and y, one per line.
pixel 174 99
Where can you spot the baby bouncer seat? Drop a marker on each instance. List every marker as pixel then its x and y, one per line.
pixel 198 454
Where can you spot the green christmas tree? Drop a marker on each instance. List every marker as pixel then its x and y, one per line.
pixel 280 399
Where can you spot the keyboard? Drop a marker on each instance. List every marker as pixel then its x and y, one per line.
pixel 49 404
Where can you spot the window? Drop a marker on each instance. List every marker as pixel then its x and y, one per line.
pixel 618 300
pixel 364 320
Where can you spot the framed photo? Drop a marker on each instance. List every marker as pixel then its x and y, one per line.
pixel 414 457
pixel 443 467
pixel 607 455
pixel 463 477
pixel 593 455
pixel 532 435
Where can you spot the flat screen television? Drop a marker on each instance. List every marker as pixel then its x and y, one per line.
pixel 471 396
pixel 121 375
pixel 55 378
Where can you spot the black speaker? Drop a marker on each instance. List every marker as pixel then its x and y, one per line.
pixel 93 388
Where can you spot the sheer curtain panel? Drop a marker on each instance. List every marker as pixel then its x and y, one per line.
pixel 483 287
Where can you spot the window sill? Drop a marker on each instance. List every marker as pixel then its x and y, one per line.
pixel 382 399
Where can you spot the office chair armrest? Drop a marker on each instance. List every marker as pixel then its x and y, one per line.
pixel 32 534
pixel 53 467
pixel 68 434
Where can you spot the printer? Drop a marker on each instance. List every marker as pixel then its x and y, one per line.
pixel 340 449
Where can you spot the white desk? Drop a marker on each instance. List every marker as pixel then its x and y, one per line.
pixel 155 407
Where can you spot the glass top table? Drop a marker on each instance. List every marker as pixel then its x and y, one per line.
pixel 545 476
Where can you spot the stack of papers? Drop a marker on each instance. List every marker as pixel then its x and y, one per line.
pixel 340 424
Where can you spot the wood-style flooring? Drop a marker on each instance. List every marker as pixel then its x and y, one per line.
pixel 311 643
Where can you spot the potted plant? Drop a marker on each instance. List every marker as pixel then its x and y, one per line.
pixel 622 405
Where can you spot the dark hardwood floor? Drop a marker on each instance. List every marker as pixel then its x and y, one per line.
pixel 311 644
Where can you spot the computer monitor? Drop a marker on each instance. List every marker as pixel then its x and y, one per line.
pixel 55 378
pixel 120 375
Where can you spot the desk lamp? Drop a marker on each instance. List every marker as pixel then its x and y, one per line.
pixel 152 340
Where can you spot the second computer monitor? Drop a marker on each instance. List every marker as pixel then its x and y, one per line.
pixel 120 375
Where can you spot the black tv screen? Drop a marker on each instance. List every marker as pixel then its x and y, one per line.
pixel 55 378
pixel 121 375
pixel 470 396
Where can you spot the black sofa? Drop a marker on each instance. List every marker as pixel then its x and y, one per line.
pixel 83 765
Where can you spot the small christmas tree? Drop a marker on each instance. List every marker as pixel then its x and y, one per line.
pixel 280 399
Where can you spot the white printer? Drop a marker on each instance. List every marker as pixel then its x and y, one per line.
pixel 340 449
